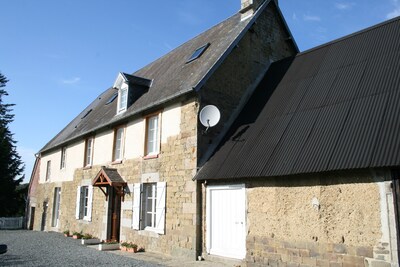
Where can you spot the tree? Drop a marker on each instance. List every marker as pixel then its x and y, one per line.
pixel 11 165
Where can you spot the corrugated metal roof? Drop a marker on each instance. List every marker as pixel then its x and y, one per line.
pixel 335 107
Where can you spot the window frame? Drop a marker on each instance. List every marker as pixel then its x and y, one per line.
pixel 56 207
pixel 121 144
pixel 198 52
pixel 122 105
pixel 48 170
pixel 156 147
pixel 63 158
pixel 158 223
pixel 84 198
pixel 88 160
pixel 148 222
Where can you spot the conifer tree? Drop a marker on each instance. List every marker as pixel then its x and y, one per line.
pixel 11 166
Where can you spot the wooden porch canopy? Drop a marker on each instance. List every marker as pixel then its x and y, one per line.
pixel 109 177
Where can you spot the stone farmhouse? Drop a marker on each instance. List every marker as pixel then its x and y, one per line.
pixel 300 170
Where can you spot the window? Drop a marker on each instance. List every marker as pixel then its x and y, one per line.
pixel 112 98
pixel 56 206
pixel 198 52
pixel 149 207
pixel 152 135
pixel 84 197
pixel 87 113
pixel 122 100
pixel 63 157
pixel 88 152
pixel 118 144
pixel 48 170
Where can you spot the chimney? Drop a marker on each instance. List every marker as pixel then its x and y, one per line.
pixel 248 7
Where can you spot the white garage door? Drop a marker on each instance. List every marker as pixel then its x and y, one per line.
pixel 226 221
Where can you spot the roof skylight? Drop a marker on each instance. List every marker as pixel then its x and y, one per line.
pixel 198 52
pixel 87 113
pixel 112 98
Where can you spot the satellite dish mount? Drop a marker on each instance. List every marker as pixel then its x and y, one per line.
pixel 209 117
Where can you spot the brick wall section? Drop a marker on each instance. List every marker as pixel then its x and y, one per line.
pixel 235 80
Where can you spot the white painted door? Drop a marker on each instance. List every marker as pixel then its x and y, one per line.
pixel 226 221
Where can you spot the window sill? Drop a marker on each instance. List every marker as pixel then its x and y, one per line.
pixel 115 162
pixel 87 167
pixel 151 156
pixel 148 233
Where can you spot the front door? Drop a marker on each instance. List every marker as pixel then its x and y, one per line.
pixel 44 216
pixel 114 214
pixel 226 221
pixel 32 218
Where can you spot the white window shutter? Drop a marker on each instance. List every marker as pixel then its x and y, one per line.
pixel 160 207
pixel 90 201
pixel 136 206
pixel 78 202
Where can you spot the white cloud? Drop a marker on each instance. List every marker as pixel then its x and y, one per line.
pixel 311 18
pixel 396 11
pixel 344 5
pixel 168 46
pixel 71 81
pixel 189 17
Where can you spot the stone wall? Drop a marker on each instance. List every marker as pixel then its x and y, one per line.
pixel 176 165
pixel 237 77
pixel 318 220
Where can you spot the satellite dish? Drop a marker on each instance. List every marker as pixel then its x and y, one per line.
pixel 209 116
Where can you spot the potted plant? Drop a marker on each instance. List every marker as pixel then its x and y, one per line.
pixel 88 239
pixel 76 235
pixel 66 233
pixel 124 246
pixel 108 245
pixel 132 248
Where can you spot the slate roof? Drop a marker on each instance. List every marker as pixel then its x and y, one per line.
pixel 111 176
pixel 171 77
pixel 335 107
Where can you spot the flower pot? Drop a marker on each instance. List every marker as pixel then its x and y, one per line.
pixel 92 241
pixel 106 246
pixel 134 250
pixel 76 237
pixel 123 248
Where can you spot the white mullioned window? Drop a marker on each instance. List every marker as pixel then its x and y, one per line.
pixel 84 197
pixel 56 207
pixel 48 170
pixel 63 157
pixel 118 144
pixel 122 100
pixel 152 135
pixel 149 207
pixel 89 152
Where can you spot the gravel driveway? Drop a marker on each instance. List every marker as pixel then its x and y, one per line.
pixel 31 248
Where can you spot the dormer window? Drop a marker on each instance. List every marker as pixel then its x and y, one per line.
pixel 130 88
pixel 122 99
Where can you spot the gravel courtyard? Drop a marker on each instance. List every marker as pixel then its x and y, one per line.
pixel 29 248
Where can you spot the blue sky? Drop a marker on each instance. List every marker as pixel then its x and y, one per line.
pixel 60 55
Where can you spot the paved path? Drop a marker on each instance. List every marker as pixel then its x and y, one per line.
pixel 32 248
pixel 29 248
